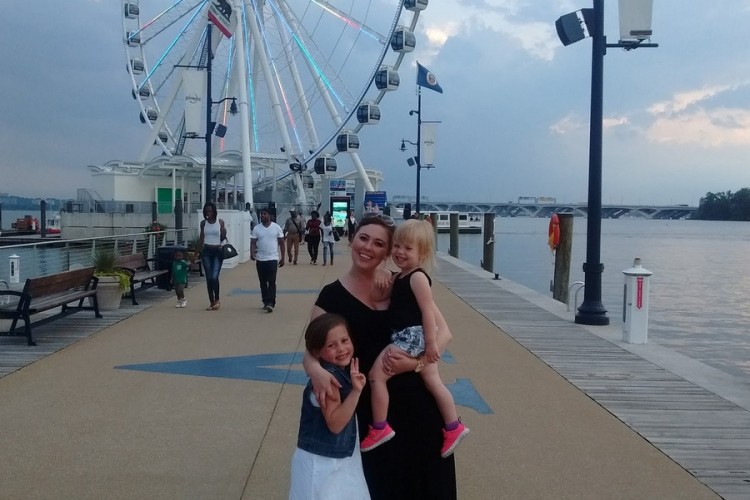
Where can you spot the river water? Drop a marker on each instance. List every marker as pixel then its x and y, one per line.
pixel 700 287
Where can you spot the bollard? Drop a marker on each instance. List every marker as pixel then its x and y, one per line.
pixel 488 237
pixel 635 304
pixel 433 221
pixel 453 248
pixel 560 284
pixel 14 273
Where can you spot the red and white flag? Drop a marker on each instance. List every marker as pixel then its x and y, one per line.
pixel 220 13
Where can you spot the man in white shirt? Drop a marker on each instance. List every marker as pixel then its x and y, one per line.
pixel 267 239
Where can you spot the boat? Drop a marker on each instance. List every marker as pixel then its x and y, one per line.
pixel 468 222
pixel 25 225
pixel 53 224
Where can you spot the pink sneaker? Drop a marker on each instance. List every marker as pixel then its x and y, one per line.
pixel 376 437
pixel 451 439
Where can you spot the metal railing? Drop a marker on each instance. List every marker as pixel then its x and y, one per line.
pixel 30 260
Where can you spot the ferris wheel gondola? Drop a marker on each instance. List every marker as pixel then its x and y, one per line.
pixel 299 70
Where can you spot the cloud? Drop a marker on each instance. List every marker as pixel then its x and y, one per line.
pixel 684 100
pixel 567 125
pixel 690 118
pixel 615 122
pixel 445 20
pixel 706 128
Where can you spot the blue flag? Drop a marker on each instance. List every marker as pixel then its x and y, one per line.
pixel 427 79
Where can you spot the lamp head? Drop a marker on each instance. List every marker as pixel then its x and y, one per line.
pixel 233 107
pixel 403 145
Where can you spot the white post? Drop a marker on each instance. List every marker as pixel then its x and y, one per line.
pixel 14 261
pixel 635 311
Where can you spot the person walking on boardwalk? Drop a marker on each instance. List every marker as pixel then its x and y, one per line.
pixel 180 268
pixel 267 250
pixel 351 225
pixel 413 325
pixel 212 234
pixel 293 235
pixel 312 231
pixel 410 467
pixel 326 464
pixel 328 238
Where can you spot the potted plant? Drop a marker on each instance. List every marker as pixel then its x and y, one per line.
pixel 158 230
pixel 113 282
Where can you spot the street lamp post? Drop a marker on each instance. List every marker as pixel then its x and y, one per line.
pixel 210 124
pixel 418 158
pixel 570 30
pixel 209 103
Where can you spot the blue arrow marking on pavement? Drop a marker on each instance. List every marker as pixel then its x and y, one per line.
pixel 276 368
pixel 465 394
pixel 257 367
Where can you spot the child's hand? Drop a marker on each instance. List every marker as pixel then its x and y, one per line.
pixel 358 378
pixel 382 278
pixel 431 353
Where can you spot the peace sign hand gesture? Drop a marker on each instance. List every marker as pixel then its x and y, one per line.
pixel 358 378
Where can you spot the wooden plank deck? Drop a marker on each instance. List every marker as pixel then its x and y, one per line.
pixel 53 334
pixel 706 434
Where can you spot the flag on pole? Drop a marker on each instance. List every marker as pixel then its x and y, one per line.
pixel 427 79
pixel 220 13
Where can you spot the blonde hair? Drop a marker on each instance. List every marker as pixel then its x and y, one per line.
pixel 420 235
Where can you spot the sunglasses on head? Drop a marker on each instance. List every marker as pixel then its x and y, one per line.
pixel 387 219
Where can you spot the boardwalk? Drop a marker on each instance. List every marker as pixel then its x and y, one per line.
pixel 191 416
pixel 702 431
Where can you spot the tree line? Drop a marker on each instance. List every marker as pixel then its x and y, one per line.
pixel 725 206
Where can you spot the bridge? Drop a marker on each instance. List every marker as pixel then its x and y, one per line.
pixel 577 209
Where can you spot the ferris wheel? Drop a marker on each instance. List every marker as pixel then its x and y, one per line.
pixel 289 78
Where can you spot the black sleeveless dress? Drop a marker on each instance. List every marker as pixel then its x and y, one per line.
pixel 409 466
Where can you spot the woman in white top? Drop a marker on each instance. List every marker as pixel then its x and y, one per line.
pixel 212 234
pixel 328 240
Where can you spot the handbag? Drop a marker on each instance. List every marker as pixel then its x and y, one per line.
pixel 228 251
pixel 336 236
pixel 307 238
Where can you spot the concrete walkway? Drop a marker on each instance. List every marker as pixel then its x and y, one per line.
pixel 187 403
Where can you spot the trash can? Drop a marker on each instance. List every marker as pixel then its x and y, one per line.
pixel 164 259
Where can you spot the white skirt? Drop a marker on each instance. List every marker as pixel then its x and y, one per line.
pixel 324 478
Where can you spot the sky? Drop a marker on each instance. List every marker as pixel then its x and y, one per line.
pixel 514 114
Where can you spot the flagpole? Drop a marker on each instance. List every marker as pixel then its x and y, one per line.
pixel 419 146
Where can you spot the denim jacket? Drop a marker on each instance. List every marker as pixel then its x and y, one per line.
pixel 314 435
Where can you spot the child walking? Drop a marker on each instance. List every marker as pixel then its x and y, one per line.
pixel 180 269
pixel 327 464
pixel 414 332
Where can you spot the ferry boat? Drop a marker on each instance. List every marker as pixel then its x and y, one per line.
pixel 53 224
pixel 468 222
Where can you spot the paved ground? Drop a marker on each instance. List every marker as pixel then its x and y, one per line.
pixel 186 403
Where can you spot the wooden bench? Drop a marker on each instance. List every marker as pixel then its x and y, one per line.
pixel 140 271
pixel 45 293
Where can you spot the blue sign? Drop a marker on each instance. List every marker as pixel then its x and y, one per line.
pixel 375 201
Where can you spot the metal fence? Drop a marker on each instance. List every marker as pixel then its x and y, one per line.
pixel 30 260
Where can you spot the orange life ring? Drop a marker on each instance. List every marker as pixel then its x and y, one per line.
pixel 554 232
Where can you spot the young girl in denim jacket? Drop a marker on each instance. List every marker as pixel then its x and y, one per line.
pixel 327 464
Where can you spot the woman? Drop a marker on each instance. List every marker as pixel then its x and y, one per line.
pixel 409 466
pixel 351 225
pixel 212 234
pixel 328 238
pixel 312 232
